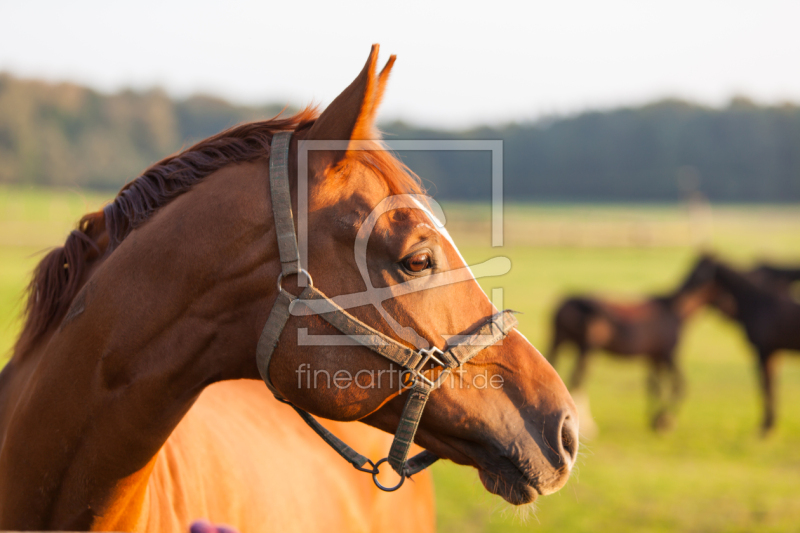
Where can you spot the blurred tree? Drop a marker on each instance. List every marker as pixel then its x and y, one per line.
pixel 69 135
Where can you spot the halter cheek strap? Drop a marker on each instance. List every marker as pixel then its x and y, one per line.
pixel 493 330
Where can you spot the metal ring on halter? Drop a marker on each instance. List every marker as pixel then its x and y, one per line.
pixel 303 271
pixel 378 483
pixel 372 470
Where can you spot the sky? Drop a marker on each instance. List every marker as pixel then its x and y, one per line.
pixel 459 64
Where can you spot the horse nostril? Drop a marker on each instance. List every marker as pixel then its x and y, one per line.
pixel 569 440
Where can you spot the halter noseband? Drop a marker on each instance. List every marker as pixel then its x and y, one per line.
pixel 494 329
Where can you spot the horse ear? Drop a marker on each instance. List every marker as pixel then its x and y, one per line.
pixel 351 116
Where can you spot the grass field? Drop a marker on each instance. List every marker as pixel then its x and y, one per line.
pixel 711 473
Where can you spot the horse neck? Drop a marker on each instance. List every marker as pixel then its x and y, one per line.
pixel 737 285
pixel 177 306
pixel 777 279
pixel 786 274
pixel 686 301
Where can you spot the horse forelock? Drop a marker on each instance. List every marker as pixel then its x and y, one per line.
pixel 398 178
pixel 59 275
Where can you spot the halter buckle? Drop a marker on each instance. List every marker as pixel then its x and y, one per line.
pixel 428 355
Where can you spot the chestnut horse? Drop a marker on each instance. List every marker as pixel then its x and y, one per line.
pixel 770 319
pixel 131 400
pixel 650 328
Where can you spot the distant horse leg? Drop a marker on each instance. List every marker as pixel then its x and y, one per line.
pixel 579 372
pixel 552 354
pixel 653 391
pixel 766 365
pixel 678 385
pixel 588 427
pixel 658 407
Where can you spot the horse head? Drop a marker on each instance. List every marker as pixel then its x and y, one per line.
pixel 374 243
pixel 166 290
pixel 697 288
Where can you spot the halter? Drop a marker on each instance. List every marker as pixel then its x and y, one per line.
pixel 493 329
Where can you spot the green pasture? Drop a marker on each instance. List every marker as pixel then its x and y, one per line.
pixel 711 473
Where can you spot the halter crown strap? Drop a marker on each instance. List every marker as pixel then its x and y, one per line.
pixel 287 249
pixel 282 202
pixel 415 362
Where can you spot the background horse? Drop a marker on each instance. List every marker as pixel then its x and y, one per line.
pixel 650 328
pixel 770 320
pixel 129 402
pixel 779 279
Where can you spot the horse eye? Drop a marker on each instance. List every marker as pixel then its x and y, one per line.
pixel 417 263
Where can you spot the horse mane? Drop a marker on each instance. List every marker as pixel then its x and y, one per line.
pixel 735 282
pixel 60 274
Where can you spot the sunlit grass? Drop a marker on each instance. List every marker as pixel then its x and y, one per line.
pixel 711 473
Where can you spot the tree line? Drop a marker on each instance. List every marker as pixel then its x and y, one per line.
pixel 67 135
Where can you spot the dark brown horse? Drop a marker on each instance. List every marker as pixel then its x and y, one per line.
pixel 650 328
pixel 779 279
pixel 770 320
pixel 133 400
